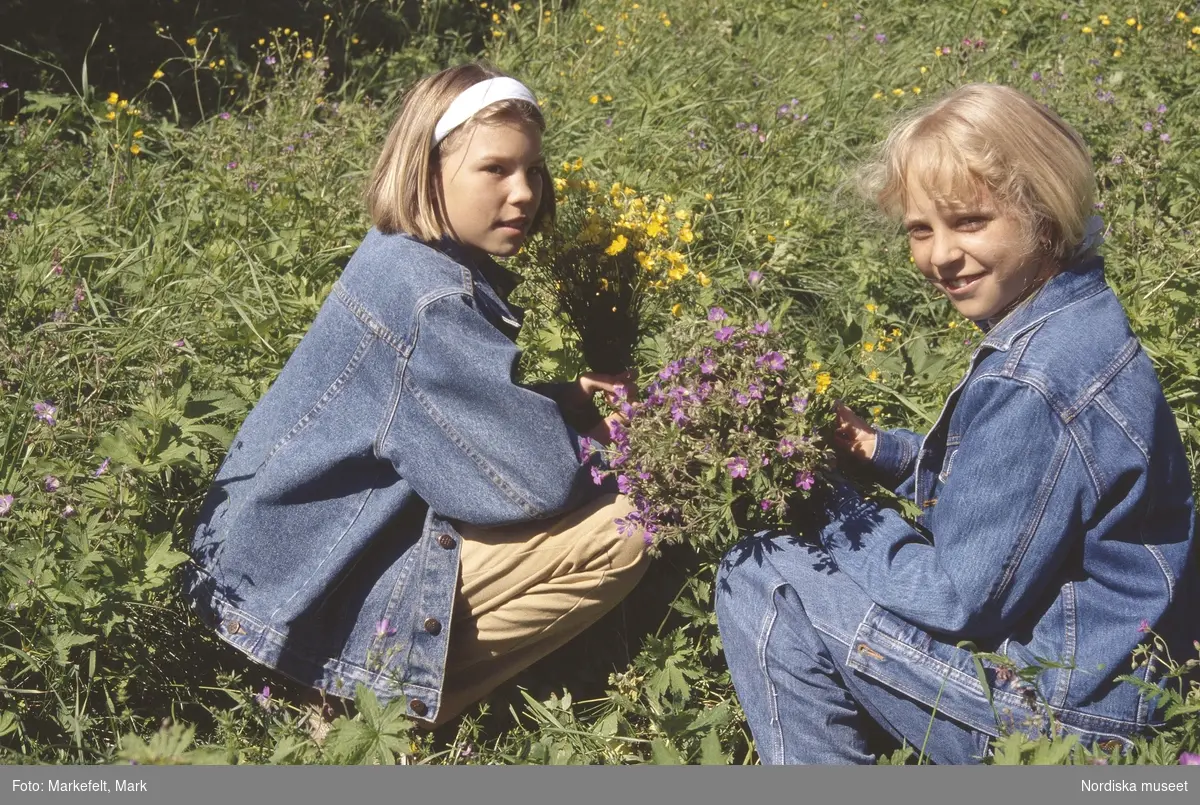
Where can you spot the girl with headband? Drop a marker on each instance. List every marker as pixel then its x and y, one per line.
pixel 397 511
pixel 1056 526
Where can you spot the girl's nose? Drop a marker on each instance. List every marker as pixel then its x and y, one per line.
pixel 945 250
pixel 524 189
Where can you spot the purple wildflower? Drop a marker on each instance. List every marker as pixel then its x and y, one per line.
pixel 754 278
pixel 1166 138
pixel 179 343
pixel 857 17
pixel 1162 109
pixel 384 628
pixel 804 480
pixel 755 391
pixel 597 476
pixel 287 149
pixel 12 215
pixel 1147 127
pixel 786 447
pixel 1035 76
pixel 224 115
pixel 103 468
pixel 264 698
pixel 624 485
pixel 881 38
pixel 6 504
pixel 3 85
pixel 1118 160
pixel 68 512
pixel 765 505
pixel 269 60
pixel 799 404
pixel 724 334
pixel 678 416
pixel 1065 16
pixel 1144 626
pixel 1105 96
pixel 762 327
pixel 306 135
pixel 1189 759
pixel 56 269
pixel 708 366
pixel 754 128
pixel 741 398
pixel 738 468
pixel 52 484
pixel 703 390
pixel 252 185
pixel 772 360
pixel 231 166
pixel 45 412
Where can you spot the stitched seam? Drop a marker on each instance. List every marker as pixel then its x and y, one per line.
pixel 360 312
pixel 1090 462
pixel 330 393
pixel 1126 354
pixel 1009 339
pixel 1069 644
pixel 1110 408
pixel 764 636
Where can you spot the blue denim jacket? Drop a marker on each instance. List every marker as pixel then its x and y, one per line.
pixel 326 547
pixel 1057 516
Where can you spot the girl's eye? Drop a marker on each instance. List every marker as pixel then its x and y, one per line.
pixel 973 222
pixel 497 170
pixel 918 232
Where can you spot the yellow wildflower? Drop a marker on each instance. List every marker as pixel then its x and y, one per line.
pixel 111 116
pixel 262 41
pixel 212 65
pixel 308 54
pixel 952 325
pixel 516 6
pixel 896 331
pixel 916 90
pixel 871 307
pixel 138 134
pixel 599 29
pixel 618 245
pixel 824 379
pixel 676 310
pixel 1181 15
pixel 1131 21
pixel 287 31
pixel 1117 53
pixel 644 260
pixel 1196 30
pixel 578 164
pixel 135 149
pixel 122 104
pixel 594 99
pixel 1087 29
pixel 560 184
pixel 815 365
pixel 607 97
pixel 158 74
pixel 495 17
pixel 873 376
pixel 191 40
pixel 676 272
pixel 897 92
pixel 1104 20
pixel 877 410
pixel 924 69
pixel 703 279
pixel 686 235
pixel 869 347
pixel 877 96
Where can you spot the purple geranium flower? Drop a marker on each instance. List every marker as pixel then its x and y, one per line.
pixel 1189 759
pixel 52 484
pixel 799 404
pixel 1147 127
pixel 755 391
pixel 12 215
pixel 68 512
pixel 786 447
pixel 103 468
pixel 224 115
pixel 45 412
pixel 804 480
pixel 754 278
pixel 1144 626
pixel 231 165
pixel 384 628
pixel 708 366
pixel 724 334
pixel 772 360
pixel 597 476
pixel 765 505
pixel 678 416
pixel 717 314
pixel 741 398
pixel 881 38
pixel 6 504
pixel 269 60
pixel 264 698
pixel 738 468
pixel 762 327
pixel 624 485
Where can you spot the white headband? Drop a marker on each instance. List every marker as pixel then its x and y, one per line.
pixel 475 98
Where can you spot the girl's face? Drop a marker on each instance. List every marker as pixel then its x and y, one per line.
pixel 491 185
pixel 971 251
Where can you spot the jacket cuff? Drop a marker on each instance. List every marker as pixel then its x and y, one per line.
pixel 893 454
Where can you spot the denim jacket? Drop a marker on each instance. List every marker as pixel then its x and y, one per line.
pixel 1057 521
pixel 327 547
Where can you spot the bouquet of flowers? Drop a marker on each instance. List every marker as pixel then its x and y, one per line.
pixel 725 442
pixel 607 251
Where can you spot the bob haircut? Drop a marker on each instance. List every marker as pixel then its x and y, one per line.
pixel 986 137
pixel 404 191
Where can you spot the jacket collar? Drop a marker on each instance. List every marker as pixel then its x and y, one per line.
pixel 1074 283
pixel 502 280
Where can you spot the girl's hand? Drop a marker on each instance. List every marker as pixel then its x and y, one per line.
pixel 853 438
pixel 589 383
pixel 601 433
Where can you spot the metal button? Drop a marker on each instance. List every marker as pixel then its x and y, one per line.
pixel 446 541
pixel 433 626
pixel 418 707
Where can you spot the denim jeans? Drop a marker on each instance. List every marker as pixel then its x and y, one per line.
pixel 788 621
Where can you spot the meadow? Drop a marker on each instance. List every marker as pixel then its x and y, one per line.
pixel 165 244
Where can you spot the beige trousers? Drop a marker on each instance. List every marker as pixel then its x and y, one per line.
pixel 527 589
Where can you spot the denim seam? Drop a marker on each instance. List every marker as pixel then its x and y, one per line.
pixel 764 638
pixel 330 394
pixel 360 311
pixel 1114 413
pixel 1127 353
pixel 1063 686
pixel 1007 341
pixel 1045 492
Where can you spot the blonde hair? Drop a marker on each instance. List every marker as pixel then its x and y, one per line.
pixel 998 139
pixel 403 194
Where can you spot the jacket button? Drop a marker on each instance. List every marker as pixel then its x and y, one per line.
pixel 433 625
pixel 418 707
pixel 446 541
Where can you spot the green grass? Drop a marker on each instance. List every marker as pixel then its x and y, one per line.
pixel 190 270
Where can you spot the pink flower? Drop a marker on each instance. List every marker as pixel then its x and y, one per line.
pixel 804 480
pixel 738 468
pixel 1144 626
pixel 1189 759
pixel 6 504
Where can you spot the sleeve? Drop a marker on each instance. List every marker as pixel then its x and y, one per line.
pixel 1005 517
pixel 474 444
pixel 895 456
pixel 582 415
